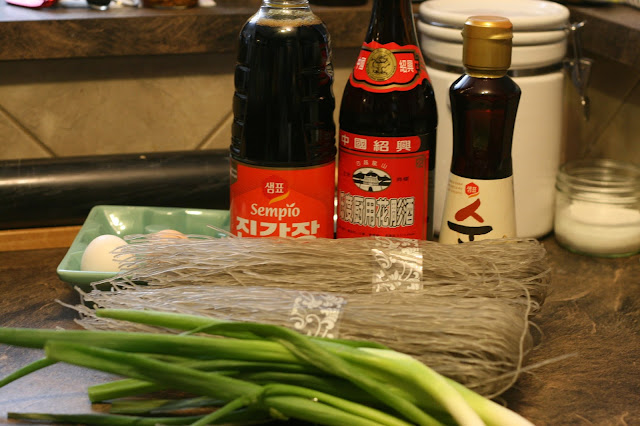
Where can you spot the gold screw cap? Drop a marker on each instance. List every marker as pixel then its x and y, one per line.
pixel 487 42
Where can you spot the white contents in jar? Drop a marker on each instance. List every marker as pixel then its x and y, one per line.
pixel 596 228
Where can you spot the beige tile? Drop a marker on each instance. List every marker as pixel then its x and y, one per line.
pixel 621 138
pixel 16 144
pixel 221 137
pixel 120 105
pixel 344 59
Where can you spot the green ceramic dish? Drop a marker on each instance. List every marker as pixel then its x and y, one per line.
pixel 127 220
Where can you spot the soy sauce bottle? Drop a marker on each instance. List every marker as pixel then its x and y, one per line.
pixel 479 202
pixel 387 141
pixel 283 134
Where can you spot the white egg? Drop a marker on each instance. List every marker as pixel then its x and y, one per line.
pixel 98 255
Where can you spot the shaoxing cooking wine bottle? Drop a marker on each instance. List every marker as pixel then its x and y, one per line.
pixel 479 202
pixel 387 138
pixel 283 135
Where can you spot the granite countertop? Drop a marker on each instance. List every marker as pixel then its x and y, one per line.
pixel 613 31
pixel 589 327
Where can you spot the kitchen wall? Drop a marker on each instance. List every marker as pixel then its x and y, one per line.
pixel 56 108
pixel 613 130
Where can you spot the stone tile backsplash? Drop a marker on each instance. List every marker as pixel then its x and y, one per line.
pixel 117 105
pixel 56 108
pixel 613 130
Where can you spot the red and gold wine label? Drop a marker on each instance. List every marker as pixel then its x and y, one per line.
pixel 388 67
pixel 282 202
pixel 382 186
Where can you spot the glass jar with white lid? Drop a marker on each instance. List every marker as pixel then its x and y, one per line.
pixel 597 208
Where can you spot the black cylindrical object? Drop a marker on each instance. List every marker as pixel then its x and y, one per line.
pixel 62 191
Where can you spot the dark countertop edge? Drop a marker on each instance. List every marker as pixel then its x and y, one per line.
pixel 612 31
pixel 83 33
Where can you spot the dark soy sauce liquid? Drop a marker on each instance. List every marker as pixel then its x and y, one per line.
pixel 283 104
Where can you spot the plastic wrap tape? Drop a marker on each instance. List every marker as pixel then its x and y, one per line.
pixel 397 265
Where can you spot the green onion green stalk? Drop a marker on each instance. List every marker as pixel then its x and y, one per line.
pixel 250 373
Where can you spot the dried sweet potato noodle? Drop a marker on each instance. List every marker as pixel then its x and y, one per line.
pixel 465 310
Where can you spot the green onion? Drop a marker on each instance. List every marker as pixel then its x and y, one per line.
pixel 240 393
pixel 192 346
pixel 255 370
pixel 144 368
pixel 27 369
pixel 154 406
pixel 104 419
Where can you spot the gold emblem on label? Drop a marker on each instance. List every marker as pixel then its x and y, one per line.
pixel 381 65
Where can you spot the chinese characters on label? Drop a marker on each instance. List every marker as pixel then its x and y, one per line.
pixel 376 212
pixel 389 67
pixel 406 66
pixel 376 145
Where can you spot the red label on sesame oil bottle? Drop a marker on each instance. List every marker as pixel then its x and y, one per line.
pixel 383 68
pixel 282 202
pixel 477 209
pixel 382 186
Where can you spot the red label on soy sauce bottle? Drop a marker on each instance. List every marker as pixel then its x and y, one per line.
pixel 282 202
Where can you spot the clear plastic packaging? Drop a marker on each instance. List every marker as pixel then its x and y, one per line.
pixel 598 207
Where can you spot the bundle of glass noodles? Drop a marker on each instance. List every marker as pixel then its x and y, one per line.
pixel 510 268
pixel 464 310
pixel 477 341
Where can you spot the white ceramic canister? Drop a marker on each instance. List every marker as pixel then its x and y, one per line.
pixel 539 47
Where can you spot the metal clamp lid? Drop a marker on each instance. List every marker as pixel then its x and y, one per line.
pixel 579 68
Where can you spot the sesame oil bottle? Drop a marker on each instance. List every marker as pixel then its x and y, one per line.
pixel 484 101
